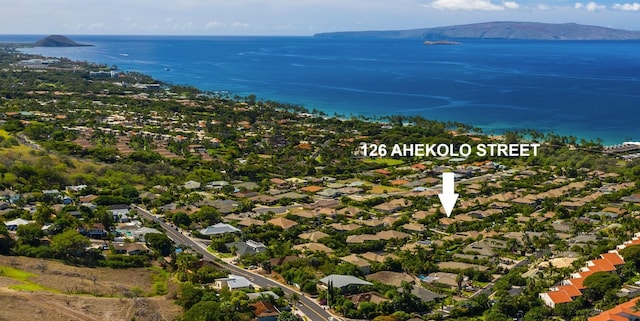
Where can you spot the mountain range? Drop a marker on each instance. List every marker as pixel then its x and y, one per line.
pixel 498 30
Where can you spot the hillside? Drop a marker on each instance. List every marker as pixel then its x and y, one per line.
pixel 499 30
pixel 57 41
pixel 35 289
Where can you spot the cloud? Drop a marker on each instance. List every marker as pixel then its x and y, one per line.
pixel 590 6
pixel 240 25
pixel 543 7
pixel 484 5
pixel 511 5
pixel 627 6
pixel 213 24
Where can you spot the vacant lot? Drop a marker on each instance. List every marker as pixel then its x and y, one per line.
pixel 33 289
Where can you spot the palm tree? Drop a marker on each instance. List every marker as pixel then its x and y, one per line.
pixel 294 298
pixel 459 279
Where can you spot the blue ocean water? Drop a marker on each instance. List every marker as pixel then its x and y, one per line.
pixel 585 89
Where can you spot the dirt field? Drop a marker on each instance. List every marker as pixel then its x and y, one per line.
pixel 34 289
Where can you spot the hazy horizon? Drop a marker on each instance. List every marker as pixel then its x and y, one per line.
pixel 295 18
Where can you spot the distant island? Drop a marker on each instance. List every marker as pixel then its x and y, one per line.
pixel 57 41
pixel 498 30
pixel 441 42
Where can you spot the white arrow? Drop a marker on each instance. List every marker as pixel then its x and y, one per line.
pixel 448 197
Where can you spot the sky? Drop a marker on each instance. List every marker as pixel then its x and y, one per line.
pixel 294 17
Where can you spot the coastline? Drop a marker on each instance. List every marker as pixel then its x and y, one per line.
pixel 347 101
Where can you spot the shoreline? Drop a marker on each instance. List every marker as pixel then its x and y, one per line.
pixel 498 127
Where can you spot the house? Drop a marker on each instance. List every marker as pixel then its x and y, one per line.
pixel 312 247
pixel 120 215
pixel 87 198
pixel 390 278
pixel 312 189
pixel 281 183
pixel 313 236
pixel 96 231
pixel 75 188
pixel 372 297
pixel 341 281
pixel 393 205
pixel 374 257
pixel 232 282
pixel 130 248
pixel 363 265
pixel 192 185
pixel 265 311
pixel 250 222
pixel 344 227
pixel 554 298
pixel 140 233
pixel 282 222
pixel 258 295
pixel 361 238
pixel 13 224
pixel 624 312
pixel 392 234
pixel 220 228
pixel 249 247
pixel 51 192
pixel 329 193
pixel 136 249
pixel 424 294
pixel 444 278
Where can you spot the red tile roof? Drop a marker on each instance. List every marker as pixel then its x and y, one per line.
pixel 577 282
pixel 613 258
pixel 616 313
pixel 559 297
pixel 601 265
pixel 571 290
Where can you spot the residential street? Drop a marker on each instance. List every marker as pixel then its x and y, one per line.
pixel 305 304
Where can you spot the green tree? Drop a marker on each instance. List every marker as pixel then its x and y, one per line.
pixel 6 242
pixel 160 242
pixel 29 234
pixel 207 215
pixel 189 295
pixel 287 316
pixel 103 216
pixel 69 243
pixel 181 219
pixel 631 254
pixel 43 214
pixel 599 283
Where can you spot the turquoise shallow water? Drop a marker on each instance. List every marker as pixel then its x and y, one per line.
pixel 585 89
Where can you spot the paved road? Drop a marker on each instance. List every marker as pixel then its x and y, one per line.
pixel 307 305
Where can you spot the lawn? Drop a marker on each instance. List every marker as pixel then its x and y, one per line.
pixel 23 277
pixel 15 273
pixel 385 161
pixel 220 254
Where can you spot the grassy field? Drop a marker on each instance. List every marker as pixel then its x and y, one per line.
pixel 24 278
pixel 35 289
pixel 25 154
pixel 385 161
pixel 4 134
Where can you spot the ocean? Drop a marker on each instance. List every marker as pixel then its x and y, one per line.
pixel 587 89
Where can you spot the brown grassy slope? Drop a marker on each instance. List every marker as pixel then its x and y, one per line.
pixel 75 293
